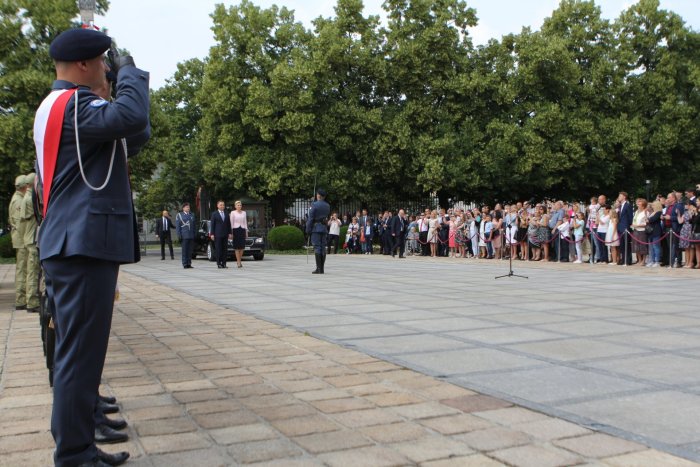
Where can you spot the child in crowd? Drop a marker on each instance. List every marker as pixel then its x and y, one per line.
pixel 412 241
pixel 578 223
pixel 488 233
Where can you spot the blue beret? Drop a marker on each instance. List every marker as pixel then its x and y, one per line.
pixel 74 45
pixel 322 192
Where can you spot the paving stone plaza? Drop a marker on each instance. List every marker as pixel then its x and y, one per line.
pixel 383 361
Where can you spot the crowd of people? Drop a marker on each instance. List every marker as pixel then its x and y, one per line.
pixel 661 232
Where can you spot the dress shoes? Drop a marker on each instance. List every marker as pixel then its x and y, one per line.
pixel 107 408
pixel 106 435
pixel 118 458
pixel 96 462
pixel 20 307
pixel 108 399
pixel 115 424
pixel 34 309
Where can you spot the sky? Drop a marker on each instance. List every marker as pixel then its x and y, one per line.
pixel 162 33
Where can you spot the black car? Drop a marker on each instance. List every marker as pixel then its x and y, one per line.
pixel 203 245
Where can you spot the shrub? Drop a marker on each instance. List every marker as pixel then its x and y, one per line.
pixel 286 237
pixel 342 234
pixel 6 250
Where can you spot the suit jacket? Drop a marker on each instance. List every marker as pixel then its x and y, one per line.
pixel 219 227
pixel 626 217
pixel 164 232
pixel 676 210
pixel 398 227
pixel 79 220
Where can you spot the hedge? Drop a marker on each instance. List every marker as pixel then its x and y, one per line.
pixel 6 250
pixel 286 237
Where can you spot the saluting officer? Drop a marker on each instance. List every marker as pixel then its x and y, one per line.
pixel 17 233
pixel 89 226
pixel 33 266
pixel 186 224
pixel 316 227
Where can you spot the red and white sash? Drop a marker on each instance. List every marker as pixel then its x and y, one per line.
pixel 48 125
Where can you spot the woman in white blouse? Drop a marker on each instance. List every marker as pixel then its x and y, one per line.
pixel 239 228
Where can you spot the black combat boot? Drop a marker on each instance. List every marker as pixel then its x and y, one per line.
pixel 323 263
pixel 318 269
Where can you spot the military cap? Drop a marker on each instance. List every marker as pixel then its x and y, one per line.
pixel 74 45
pixel 322 192
pixel 20 181
pixel 30 178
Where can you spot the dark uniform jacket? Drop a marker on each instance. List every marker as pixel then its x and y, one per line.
pixel 97 224
pixel 317 220
pixel 186 225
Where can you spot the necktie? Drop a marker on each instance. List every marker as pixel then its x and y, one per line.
pixel 164 227
pixel 222 215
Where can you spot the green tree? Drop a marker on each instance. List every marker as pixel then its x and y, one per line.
pixel 168 171
pixel 257 104
pixel 661 61
pixel 27 27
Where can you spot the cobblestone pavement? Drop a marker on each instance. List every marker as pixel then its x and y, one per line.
pixel 202 384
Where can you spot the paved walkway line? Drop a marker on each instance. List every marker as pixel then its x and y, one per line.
pixel 203 385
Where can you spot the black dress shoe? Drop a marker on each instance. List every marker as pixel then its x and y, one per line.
pixel 115 424
pixel 117 458
pixel 96 462
pixel 106 435
pixel 34 309
pixel 107 408
pixel 108 399
pixel 20 307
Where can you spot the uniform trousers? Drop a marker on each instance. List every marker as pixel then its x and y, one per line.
pixel 82 290
pixel 21 277
pixel 318 240
pixel 187 244
pixel 33 268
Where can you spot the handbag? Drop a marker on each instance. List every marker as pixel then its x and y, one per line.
pixel 649 229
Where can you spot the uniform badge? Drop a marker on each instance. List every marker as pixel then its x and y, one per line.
pixel 98 103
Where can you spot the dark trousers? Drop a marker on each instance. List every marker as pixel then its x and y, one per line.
pixel 397 243
pixel 424 247
pixel 187 245
pixel 443 235
pixel 221 246
pixel 625 247
pixel 318 240
pixel 676 249
pixel 163 240
pixel 82 290
pixel 386 243
pixel 332 243
pixel 601 249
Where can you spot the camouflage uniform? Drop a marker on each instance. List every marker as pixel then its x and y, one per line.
pixel 30 226
pixel 17 228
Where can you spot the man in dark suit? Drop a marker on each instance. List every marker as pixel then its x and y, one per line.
pixel 163 226
pixel 89 226
pixel 623 227
pixel 674 212
pixel 398 233
pixel 220 233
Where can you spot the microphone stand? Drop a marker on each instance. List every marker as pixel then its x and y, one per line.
pixel 510 260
